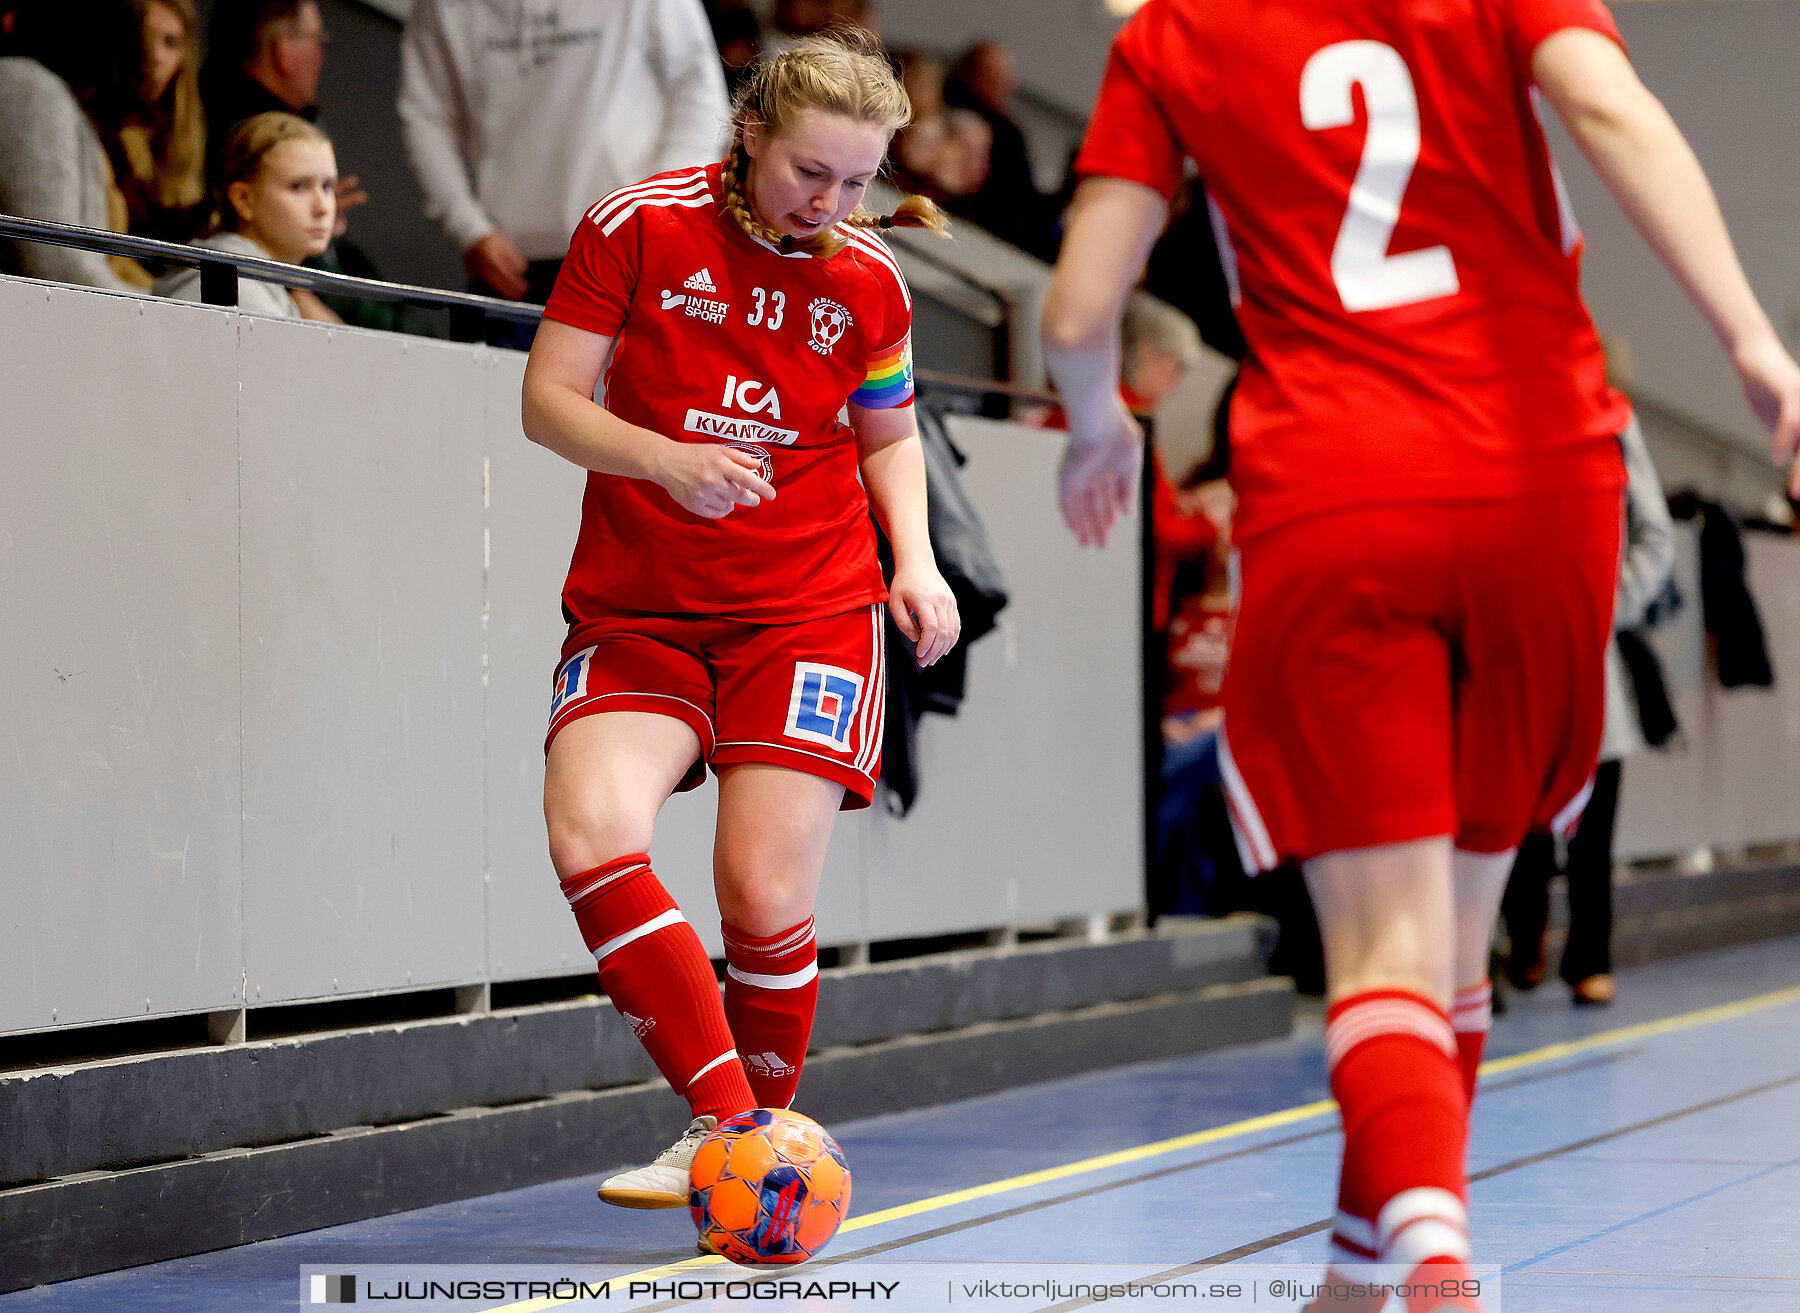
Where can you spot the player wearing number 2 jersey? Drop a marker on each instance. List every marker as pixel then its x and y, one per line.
pixel 724 596
pixel 1425 458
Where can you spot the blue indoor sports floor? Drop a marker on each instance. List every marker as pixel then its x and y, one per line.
pixel 1642 1157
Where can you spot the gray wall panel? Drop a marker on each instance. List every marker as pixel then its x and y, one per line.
pixel 362 598
pixel 118 660
pixel 1030 798
pixel 1735 778
pixel 534 512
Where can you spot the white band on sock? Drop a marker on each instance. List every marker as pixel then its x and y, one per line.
pixel 1421 1223
pixel 793 980
pixel 1472 1012
pixel 671 917
pixel 729 1055
pixel 1386 1016
pixel 603 881
pixel 1358 1231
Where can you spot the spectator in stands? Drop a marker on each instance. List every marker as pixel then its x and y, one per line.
pixel 280 192
pixel 738 34
pixel 53 166
pixel 154 128
pixel 262 56
pixel 510 152
pixel 797 18
pixel 1007 203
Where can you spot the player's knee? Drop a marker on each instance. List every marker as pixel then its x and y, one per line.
pixel 761 894
pixel 592 830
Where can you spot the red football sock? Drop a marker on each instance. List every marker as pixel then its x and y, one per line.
pixel 659 978
pixel 1392 1058
pixel 1471 1015
pixel 771 993
pixel 1352 1256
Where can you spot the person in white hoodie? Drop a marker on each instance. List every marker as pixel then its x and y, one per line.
pixel 517 113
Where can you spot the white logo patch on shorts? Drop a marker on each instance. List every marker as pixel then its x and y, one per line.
pixel 823 706
pixel 571 681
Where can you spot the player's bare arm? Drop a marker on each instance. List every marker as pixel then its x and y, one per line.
pixel 1647 164
pixel 558 412
pixel 893 472
pixel 1111 227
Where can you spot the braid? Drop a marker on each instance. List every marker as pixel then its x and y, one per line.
pixel 913 212
pixel 737 205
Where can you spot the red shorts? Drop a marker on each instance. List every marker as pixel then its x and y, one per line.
pixel 808 696
pixel 1399 672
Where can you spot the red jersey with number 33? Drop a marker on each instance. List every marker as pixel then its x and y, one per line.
pixel 722 339
pixel 1403 259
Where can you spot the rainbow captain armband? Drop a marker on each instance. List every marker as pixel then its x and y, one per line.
pixel 890 380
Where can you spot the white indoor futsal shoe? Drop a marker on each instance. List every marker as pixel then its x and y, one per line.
pixel 664 1183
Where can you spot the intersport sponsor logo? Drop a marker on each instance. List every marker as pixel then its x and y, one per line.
pixel 732 428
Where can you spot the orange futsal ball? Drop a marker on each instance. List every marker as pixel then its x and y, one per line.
pixel 769 1187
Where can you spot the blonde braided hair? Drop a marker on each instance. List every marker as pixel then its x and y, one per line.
pixel 840 72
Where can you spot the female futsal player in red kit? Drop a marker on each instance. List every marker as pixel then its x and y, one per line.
pixel 1428 486
pixel 724 600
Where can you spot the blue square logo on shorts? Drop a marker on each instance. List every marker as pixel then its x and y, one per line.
pixel 571 680
pixel 823 706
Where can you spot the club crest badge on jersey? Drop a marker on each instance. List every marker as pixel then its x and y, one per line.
pixel 829 320
pixel 823 706
pixel 765 463
pixel 571 681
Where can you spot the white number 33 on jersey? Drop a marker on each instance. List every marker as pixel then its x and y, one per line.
pixel 1367 277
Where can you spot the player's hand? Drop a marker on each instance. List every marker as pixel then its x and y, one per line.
pixel 712 481
pixel 350 194
pixel 1772 384
pixel 1099 476
pixel 496 263
pixel 925 609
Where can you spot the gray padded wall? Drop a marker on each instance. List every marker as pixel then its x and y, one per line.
pixel 119 786
pixel 303 586
pixel 1735 780
pixel 534 510
pixel 362 585
pixel 1029 799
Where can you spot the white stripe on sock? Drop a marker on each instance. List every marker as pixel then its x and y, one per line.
pixel 671 917
pixel 1422 1206
pixel 793 980
pixel 605 880
pixel 1386 1016
pixel 729 1055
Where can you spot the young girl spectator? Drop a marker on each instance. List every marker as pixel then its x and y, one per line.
pixel 724 597
pixel 280 201
pixel 157 139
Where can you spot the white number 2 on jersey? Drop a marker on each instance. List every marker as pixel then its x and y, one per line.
pixel 1367 277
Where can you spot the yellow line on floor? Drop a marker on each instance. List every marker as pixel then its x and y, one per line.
pixel 1248 1126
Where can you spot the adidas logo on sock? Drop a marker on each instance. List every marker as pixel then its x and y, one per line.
pixel 701 282
pixel 639 1026
pixel 766 1064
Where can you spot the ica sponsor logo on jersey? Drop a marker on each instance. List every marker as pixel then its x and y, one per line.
pixel 829 320
pixel 753 398
pixel 823 705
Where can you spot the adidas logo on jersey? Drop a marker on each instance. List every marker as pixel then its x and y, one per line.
pixel 766 1064
pixel 701 282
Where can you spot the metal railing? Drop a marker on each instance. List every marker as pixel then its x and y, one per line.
pixel 220 271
